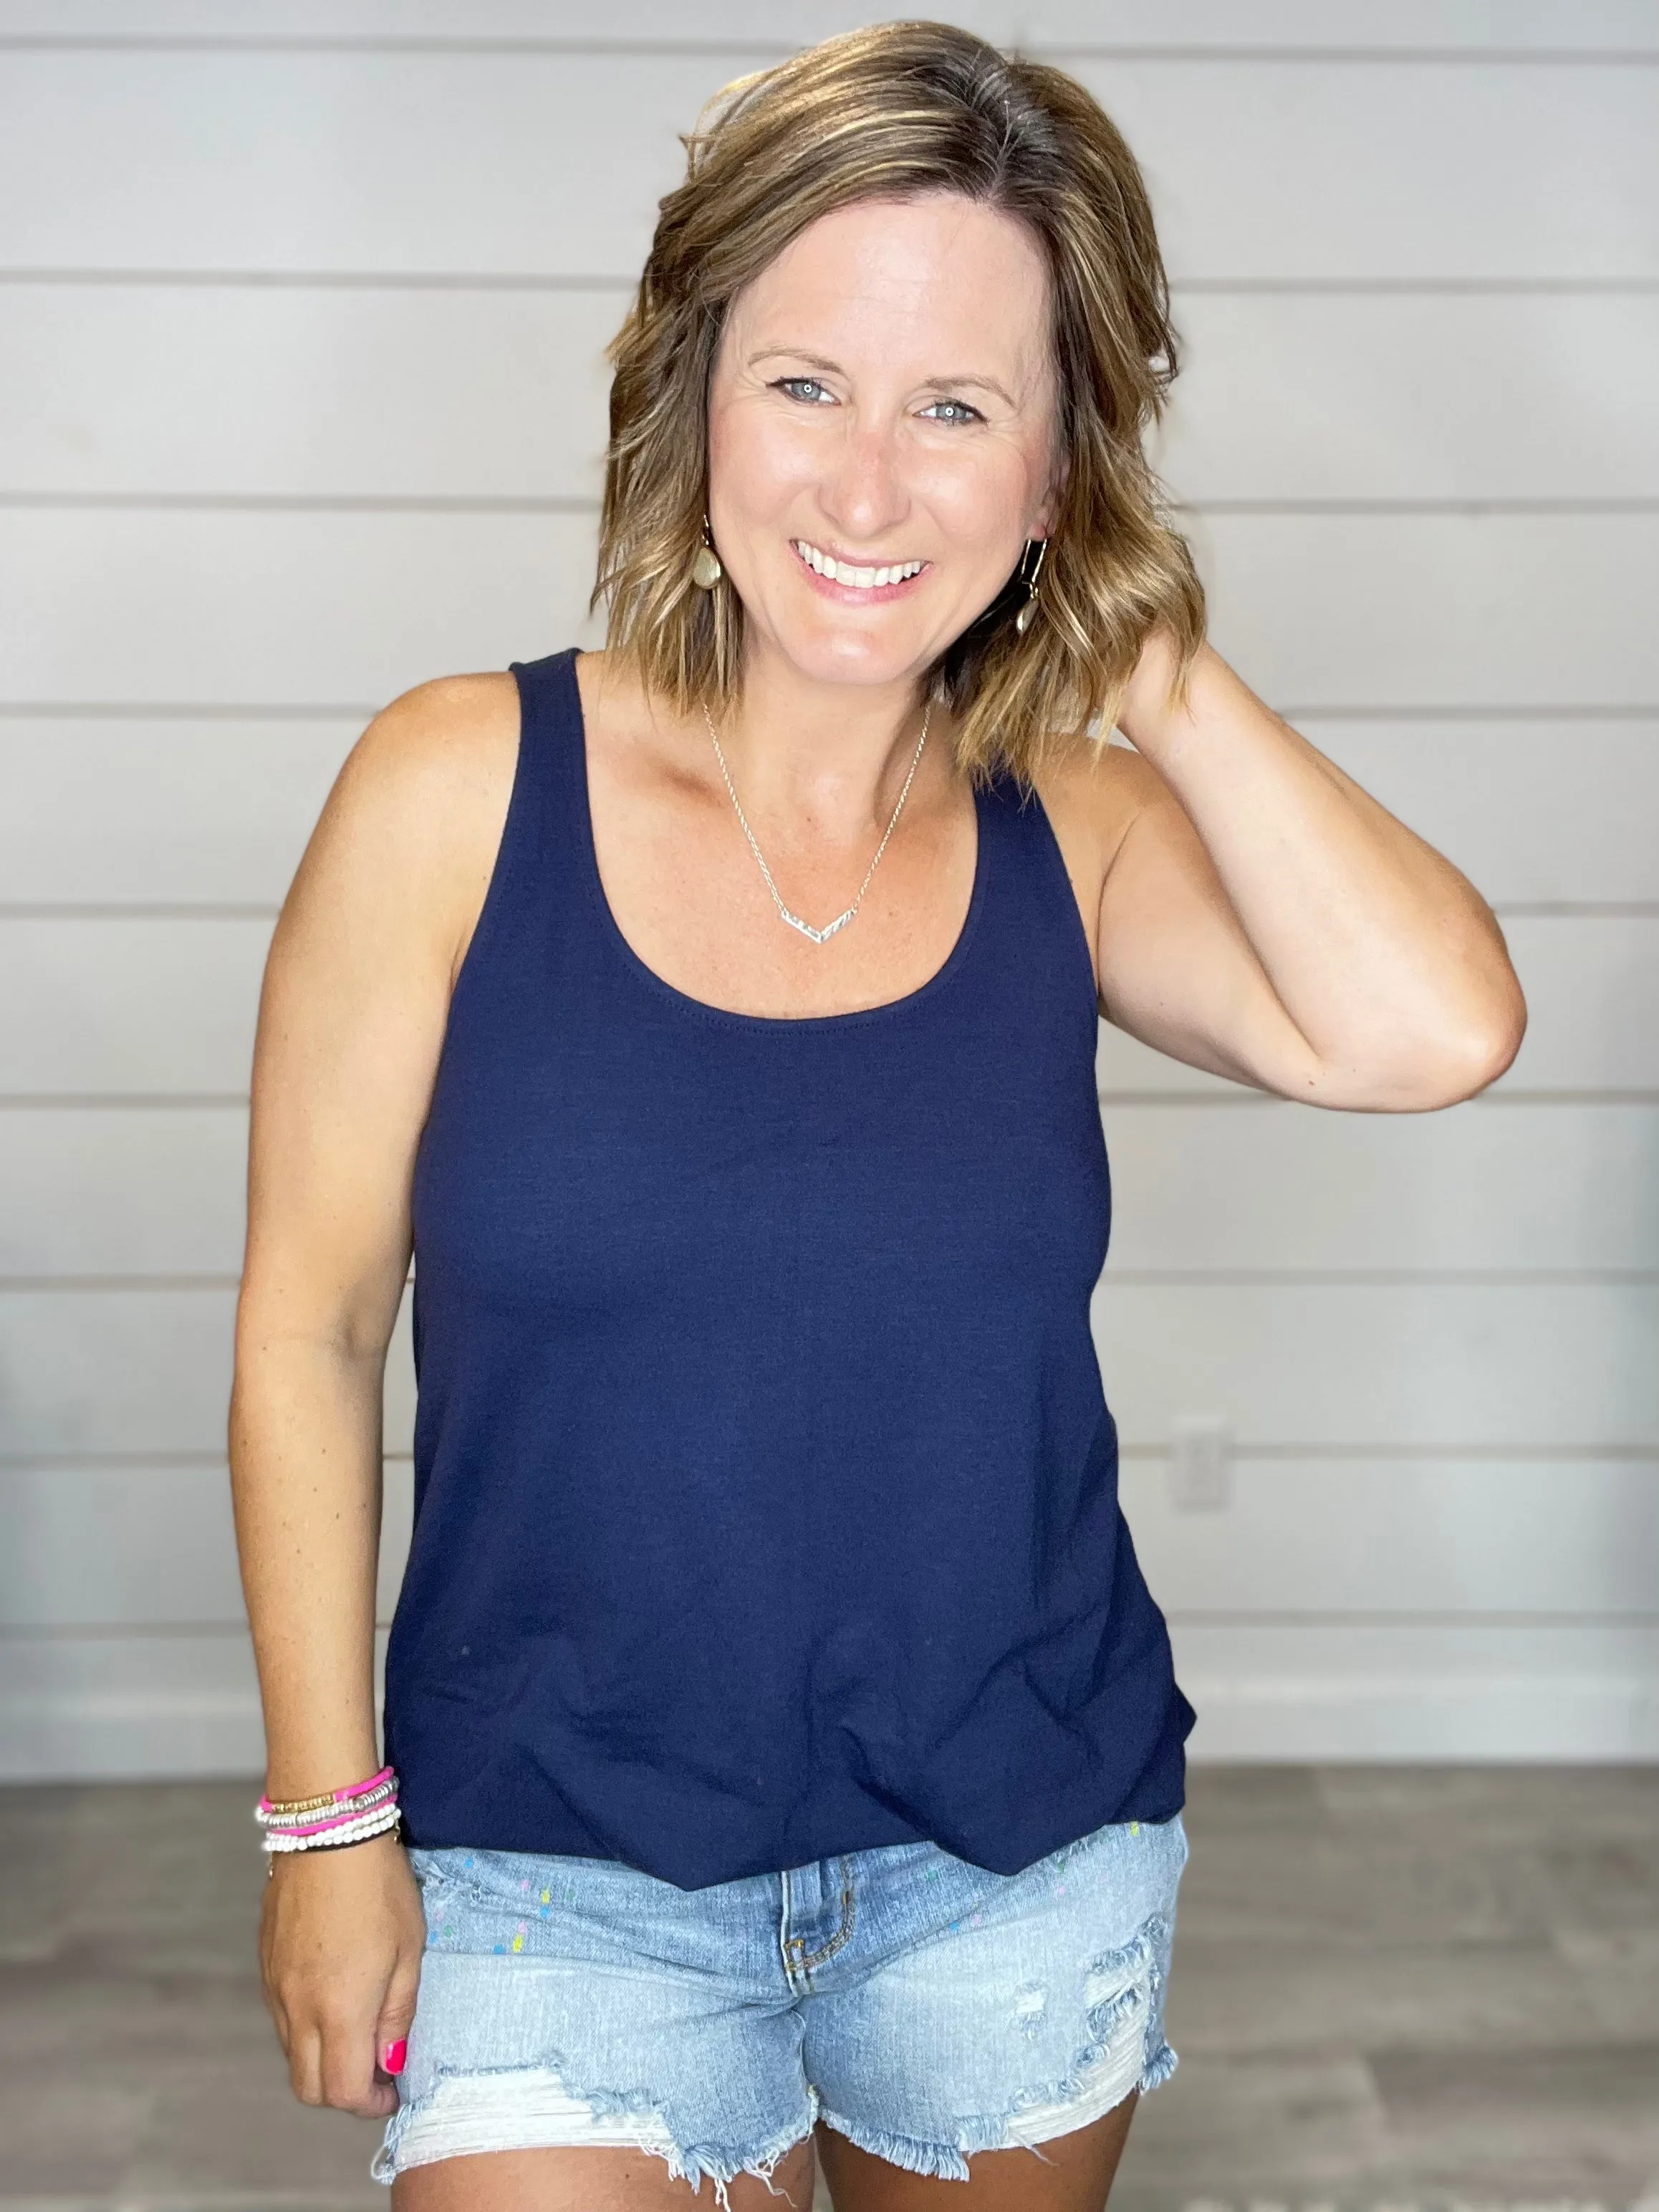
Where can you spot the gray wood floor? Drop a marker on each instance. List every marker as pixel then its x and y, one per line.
pixel 1393 1986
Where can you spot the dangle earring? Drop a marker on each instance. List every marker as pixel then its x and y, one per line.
pixel 706 570
pixel 1023 619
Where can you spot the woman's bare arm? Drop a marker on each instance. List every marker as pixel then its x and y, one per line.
pixel 1264 917
pixel 351 1022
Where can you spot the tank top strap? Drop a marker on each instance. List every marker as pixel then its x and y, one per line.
pixel 549 783
pixel 1034 925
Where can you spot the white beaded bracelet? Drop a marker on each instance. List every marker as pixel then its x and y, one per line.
pixel 357 1830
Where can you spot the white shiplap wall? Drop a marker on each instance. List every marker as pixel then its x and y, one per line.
pixel 300 402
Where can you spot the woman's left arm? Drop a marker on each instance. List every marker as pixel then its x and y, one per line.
pixel 1264 917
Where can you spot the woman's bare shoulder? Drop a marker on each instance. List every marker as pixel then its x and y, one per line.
pixel 452 740
pixel 415 819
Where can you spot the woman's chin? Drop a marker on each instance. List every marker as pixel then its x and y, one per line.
pixel 853 649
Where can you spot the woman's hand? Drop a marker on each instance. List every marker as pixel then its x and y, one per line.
pixel 340 1943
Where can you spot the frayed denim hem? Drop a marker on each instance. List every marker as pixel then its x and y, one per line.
pixel 938 2159
pixel 1158 2069
pixel 512 2121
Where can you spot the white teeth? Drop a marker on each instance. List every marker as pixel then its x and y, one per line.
pixel 841 572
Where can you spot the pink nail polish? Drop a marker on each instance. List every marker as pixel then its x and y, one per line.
pixel 392 2055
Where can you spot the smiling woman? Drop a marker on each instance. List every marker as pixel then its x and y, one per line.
pixel 786 1746
pixel 979 253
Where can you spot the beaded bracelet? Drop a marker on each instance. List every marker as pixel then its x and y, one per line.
pixel 350 1815
pixel 305 1816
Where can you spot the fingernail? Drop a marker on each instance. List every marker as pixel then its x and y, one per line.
pixel 392 2055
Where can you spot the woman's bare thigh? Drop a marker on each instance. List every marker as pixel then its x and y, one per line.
pixel 1074 2174
pixel 587 2180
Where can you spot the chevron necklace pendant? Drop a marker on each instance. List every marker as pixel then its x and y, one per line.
pixel 830 929
pixel 818 936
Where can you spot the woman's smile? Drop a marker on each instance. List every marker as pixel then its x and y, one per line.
pixel 857 583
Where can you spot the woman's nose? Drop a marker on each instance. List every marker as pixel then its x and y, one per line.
pixel 864 494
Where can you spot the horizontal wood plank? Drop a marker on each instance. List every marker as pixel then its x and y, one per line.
pixel 128 1546
pixel 274 609
pixel 140 1545
pixel 311 391
pixel 1413 610
pixel 230 390
pixel 413 159
pixel 1356 1366
pixel 1523 1187
pixel 117 812
pixel 1374 611
pixel 126 1374
pixel 1412 1537
pixel 1467 26
pixel 122 1191
pixel 119 1004
pixel 1533 812
pixel 1333 395
pixel 1592 987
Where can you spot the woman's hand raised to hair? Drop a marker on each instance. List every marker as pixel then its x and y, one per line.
pixel 341 1937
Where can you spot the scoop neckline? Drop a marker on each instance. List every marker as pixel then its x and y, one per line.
pixel 704 1009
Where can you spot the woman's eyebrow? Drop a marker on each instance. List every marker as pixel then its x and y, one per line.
pixel 795 353
pixel 961 383
pixel 834 369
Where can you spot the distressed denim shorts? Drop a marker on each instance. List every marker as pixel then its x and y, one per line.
pixel 922 2006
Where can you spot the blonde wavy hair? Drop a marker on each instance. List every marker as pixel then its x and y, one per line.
pixel 894 111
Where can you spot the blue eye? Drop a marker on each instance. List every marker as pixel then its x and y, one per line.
pixel 793 385
pixel 964 414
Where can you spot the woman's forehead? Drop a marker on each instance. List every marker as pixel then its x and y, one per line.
pixel 909 274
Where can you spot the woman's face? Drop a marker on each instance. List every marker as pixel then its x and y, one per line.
pixel 882 398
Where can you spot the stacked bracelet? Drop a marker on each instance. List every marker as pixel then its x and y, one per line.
pixel 343 1816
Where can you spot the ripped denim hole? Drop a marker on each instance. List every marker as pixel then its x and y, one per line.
pixel 1124 2052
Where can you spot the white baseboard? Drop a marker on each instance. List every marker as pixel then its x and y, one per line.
pixel 114 1736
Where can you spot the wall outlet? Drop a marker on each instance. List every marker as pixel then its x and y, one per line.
pixel 1201 1464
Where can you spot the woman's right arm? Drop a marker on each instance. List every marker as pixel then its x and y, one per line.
pixel 351 1022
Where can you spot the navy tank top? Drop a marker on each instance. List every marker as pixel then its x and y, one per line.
pixel 765 1492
